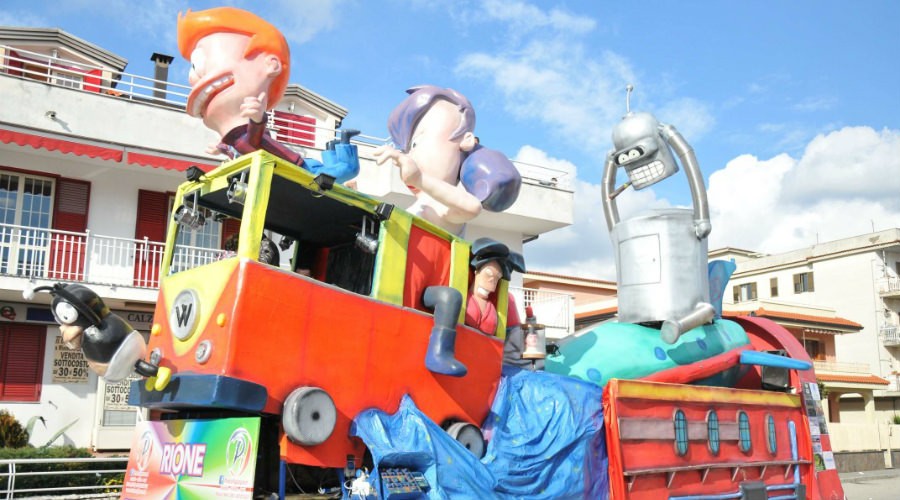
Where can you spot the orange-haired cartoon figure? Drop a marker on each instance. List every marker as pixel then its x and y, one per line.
pixel 240 65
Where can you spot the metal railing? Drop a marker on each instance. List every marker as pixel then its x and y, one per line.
pixel 51 254
pixel 890 284
pixel 97 491
pixel 834 366
pixel 554 310
pixel 890 335
pixel 81 77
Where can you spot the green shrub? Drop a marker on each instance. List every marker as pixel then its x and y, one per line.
pixel 12 434
pixel 57 480
pixel 895 419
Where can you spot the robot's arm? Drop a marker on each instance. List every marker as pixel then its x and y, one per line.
pixel 608 187
pixel 702 226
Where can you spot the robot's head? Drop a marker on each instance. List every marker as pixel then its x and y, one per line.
pixel 641 151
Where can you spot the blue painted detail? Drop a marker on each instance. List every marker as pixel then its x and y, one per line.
pixel 594 375
pixel 719 272
pixel 201 391
pixel 701 344
pixel 659 353
pixel 773 360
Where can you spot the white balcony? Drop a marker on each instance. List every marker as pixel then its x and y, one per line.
pixel 836 367
pixel 554 310
pixel 890 335
pixel 34 257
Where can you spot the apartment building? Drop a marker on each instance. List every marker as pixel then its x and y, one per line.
pixel 841 299
pixel 90 157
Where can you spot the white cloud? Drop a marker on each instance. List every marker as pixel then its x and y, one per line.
pixel 524 17
pixel 845 184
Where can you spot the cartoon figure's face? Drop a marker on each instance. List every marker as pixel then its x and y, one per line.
pixel 486 279
pixel 222 77
pixel 641 151
pixel 431 146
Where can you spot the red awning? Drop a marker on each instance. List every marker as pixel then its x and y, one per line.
pixel 148 160
pixel 63 146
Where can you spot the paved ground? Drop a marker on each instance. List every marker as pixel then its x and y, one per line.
pixel 872 485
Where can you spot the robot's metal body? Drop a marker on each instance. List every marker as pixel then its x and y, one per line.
pixel 661 255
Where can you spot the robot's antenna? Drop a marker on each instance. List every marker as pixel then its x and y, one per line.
pixel 628 89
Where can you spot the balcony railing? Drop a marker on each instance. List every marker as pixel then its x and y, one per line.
pixel 834 366
pixel 554 310
pixel 890 335
pixel 51 254
pixel 890 285
pixel 300 132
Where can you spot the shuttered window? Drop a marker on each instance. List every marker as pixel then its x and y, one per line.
pixel 21 361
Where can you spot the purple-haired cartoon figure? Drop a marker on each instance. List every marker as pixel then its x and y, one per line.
pixel 452 176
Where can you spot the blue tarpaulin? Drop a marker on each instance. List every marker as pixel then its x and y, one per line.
pixel 546 440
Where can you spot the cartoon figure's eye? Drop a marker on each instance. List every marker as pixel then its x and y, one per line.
pixel 65 313
pixel 623 158
pixel 198 64
pixel 634 153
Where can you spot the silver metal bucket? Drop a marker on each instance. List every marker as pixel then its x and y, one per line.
pixel 662 266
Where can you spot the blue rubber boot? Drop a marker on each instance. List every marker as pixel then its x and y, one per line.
pixel 440 357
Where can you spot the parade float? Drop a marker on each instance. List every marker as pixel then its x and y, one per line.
pixel 354 364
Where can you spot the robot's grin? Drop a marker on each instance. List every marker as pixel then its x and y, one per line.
pixel 204 93
pixel 645 174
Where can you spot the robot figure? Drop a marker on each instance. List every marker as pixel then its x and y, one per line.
pixel 111 346
pixel 661 256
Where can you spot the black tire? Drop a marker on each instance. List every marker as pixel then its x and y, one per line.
pixel 469 436
pixel 309 416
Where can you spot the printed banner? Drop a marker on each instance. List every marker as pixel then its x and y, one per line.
pixel 193 459
pixel 69 365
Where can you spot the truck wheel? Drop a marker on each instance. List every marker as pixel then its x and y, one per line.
pixel 469 436
pixel 309 416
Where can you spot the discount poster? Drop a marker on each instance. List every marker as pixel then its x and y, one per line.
pixel 192 459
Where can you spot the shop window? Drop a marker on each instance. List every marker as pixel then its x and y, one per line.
pixel 21 361
pixel 743 421
pixel 771 437
pixel 681 433
pixel 803 282
pixel 712 431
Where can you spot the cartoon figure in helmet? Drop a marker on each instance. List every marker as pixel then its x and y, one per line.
pixel 113 348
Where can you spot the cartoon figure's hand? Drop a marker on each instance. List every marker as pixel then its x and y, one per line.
pixel 71 335
pixel 409 170
pixel 254 107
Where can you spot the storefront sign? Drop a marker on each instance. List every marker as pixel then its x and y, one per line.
pixel 69 365
pixel 193 459
pixel 115 396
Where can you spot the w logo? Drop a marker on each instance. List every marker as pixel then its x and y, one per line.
pixel 183 315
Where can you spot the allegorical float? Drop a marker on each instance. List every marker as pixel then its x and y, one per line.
pixel 386 359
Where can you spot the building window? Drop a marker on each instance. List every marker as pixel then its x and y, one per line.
pixel 770 434
pixel 814 348
pixel 773 287
pixel 745 292
pixel 68 79
pixel 681 433
pixel 712 431
pixel 803 282
pixel 21 361
pixel 25 201
pixel 743 432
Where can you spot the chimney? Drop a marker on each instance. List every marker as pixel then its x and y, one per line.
pixel 160 74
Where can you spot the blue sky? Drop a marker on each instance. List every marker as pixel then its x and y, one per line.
pixel 792 108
